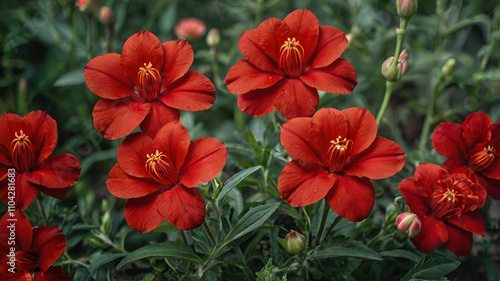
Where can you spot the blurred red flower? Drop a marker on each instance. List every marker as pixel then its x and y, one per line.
pixel 286 62
pixel 336 153
pixel 26 164
pixel 445 203
pixel 190 29
pixel 30 251
pixel 160 174
pixel 476 145
pixel 146 85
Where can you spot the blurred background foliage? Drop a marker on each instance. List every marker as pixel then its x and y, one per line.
pixel 44 50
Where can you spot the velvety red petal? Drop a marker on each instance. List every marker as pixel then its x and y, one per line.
pixel 104 77
pixel 362 128
pixel 382 159
pixel 182 207
pixel 304 185
pixel 24 234
pixel 252 51
pixel 427 175
pixel 470 221
pixel 158 116
pixel 25 191
pixel 173 141
pixel 295 138
pixel 476 129
pixel 339 77
pixel 493 170
pixel 305 28
pixel 57 193
pixel 178 59
pixel 115 119
pixel 57 171
pixel 271 35
pixel 142 213
pixel 327 124
pixel 44 138
pixel 492 186
pixel 431 235
pixel 141 49
pixel 204 161
pixel 122 185
pixel 409 188
pixel 48 243
pixel 258 103
pixel 132 154
pixel 447 140
pixel 295 99
pixel 11 124
pixel 351 197
pixel 459 241
pixel 244 77
pixel 331 43
pixel 54 273
pixel 191 92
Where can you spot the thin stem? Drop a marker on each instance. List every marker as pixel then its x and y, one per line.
pixel 89 33
pixel 209 232
pixel 326 209
pixel 42 210
pixel 387 97
pixel 429 115
pixel 184 237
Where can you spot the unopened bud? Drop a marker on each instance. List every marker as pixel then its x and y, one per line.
pixel 406 8
pixel 190 29
pixel 395 73
pixel 295 242
pixel 106 16
pixel 213 37
pixel 449 66
pixel 88 6
pixel 409 224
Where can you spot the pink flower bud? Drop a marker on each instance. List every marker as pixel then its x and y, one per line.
pixel 106 16
pixel 87 5
pixel 190 28
pixel 295 242
pixel 394 74
pixel 406 8
pixel 408 223
pixel 213 37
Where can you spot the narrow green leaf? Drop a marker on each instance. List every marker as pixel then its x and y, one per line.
pixel 71 78
pixel 233 181
pixel 104 259
pixel 348 248
pixel 400 253
pixel 165 249
pixel 437 267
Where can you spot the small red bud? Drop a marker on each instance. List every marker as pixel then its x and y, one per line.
pixel 409 224
pixel 406 8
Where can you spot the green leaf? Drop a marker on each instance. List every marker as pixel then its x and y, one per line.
pixel 233 181
pixel 165 249
pixel 71 78
pixel 254 218
pixel 104 259
pixel 348 248
pixel 432 269
pixel 400 253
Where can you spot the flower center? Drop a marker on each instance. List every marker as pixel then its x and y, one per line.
pixel 292 54
pixel 482 159
pixel 161 168
pixel 338 153
pixel 148 82
pixel 22 152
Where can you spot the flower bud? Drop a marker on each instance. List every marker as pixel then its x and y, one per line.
pixel 394 74
pixel 409 224
pixel 106 16
pixel 406 8
pixel 213 37
pixel 190 28
pixel 88 6
pixel 295 242
pixel 449 66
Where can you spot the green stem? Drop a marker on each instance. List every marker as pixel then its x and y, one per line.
pixel 89 34
pixel 42 210
pixel 326 209
pixel 184 237
pixel 209 232
pixel 429 115
pixel 387 97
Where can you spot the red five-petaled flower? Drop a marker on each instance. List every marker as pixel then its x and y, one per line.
pixel 336 153
pixel 26 164
pixel 25 251
pixel 286 62
pixel 476 145
pixel 445 203
pixel 146 85
pixel 160 174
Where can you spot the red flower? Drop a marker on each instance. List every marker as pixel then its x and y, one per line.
pixel 25 251
pixel 445 202
pixel 26 164
pixel 286 62
pixel 160 175
pixel 336 153
pixel 476 145
pixel 190 28
pixel 146 85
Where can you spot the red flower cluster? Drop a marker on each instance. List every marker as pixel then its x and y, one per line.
pixel 286 62
pixel 146 85
pixel 336 153
pixel 26 145
pixel 32 252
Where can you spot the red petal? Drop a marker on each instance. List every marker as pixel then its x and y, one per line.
pixel 432 234
pixel 11 124
pixel 182 207
pixel 244 77
pixel 459 241
pixel 205 159
pixel 327 124
pixel 295 138
pixel 305 28
pixel 476 129
pixel 331 43
pixel 139 49
pixel 492 186
pixel 173 141
pixel 24 234
pixel 122 185
pixel 57 171
pixel 427 176
pixel 271 34
pixel 470 221
pixel 192 92
pixel 44 137
pixel 142 213
pixel 132 154
pixel 115 119
pixel 104 77
pixel 351 197
pixel 48 243
pixel 158 116
pixel 52 274
pixel 339 77
pixel 178 59
pixel 447 140
pixel 25 191
pixel 304 185
pixel 409 188
pixel 362 128
pixel 58 193
pixel 295 99
pixel 382 159
pixel 258 103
